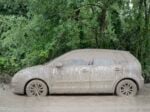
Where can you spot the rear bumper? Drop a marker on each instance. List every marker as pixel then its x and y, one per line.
pixel 141 83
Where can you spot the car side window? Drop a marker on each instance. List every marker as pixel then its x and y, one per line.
pixel 74 62
pixel 103 62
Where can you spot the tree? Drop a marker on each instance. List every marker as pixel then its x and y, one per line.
pixel 35 31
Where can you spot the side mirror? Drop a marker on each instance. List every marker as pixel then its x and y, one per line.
pixel 58 65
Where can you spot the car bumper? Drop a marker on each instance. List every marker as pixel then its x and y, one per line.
pixel 17 88
pixel 141 83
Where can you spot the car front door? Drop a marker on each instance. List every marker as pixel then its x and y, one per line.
pixel 72 77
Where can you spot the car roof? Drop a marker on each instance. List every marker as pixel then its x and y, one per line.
pixel 118 56
pixel 97 51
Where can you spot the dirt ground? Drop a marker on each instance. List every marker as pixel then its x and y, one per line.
pixel 10 102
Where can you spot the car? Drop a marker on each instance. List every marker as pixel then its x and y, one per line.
pixel 82 71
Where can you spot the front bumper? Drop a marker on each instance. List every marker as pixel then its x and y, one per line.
pixel 17 88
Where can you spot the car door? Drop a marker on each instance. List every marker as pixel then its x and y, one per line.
pixel 71 77
pixel 103 75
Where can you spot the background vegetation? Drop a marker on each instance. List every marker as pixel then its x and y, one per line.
pixel 35 31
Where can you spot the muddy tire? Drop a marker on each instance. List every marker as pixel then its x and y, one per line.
pixel 126 88
pixel 36 88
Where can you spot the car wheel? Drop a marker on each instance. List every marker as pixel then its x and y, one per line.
pixel 126 88
pixel 36 88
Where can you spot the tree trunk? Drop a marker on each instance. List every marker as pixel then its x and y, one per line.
pixel 102 20
pixel 146 15
pixel 102 24
pixel 77 18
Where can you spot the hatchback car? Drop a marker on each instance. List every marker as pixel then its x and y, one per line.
pixel 82 71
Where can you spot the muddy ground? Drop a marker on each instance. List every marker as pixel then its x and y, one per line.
pixel 10 102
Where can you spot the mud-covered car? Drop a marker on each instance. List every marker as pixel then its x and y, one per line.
pixel 82 71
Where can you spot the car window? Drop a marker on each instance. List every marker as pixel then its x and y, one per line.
pixel 74 62
pixel 103 62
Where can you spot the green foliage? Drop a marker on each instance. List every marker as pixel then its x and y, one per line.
pixel 35 31
pixel 13 7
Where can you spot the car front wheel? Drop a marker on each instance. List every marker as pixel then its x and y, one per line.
pixel 126 88
pixel 36 88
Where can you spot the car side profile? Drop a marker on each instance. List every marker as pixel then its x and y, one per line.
pixel 82 71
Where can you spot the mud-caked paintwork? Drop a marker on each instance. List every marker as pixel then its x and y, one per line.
pixel 83 71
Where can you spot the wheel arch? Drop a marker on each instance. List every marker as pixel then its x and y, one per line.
pixel 35 79
pixel 126 79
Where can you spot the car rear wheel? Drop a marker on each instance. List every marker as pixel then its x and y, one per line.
pixel 126 88
pixel 36 88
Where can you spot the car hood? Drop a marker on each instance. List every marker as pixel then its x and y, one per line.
pixel 28 73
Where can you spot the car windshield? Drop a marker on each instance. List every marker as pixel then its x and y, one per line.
pixel 71 58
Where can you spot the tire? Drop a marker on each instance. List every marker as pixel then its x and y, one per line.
pixel 36 88
pixel 126 88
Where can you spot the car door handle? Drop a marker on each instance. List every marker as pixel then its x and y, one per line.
pixel 117 69
pixel 85 70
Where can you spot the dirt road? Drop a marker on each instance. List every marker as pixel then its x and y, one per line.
pixel 10 102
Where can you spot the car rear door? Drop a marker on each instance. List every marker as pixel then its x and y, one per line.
pixel 103 75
